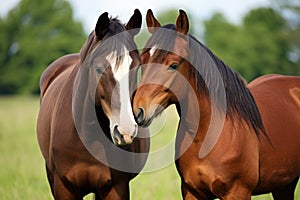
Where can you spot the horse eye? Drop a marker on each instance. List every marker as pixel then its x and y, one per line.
pixel 173 66
pixel 99 70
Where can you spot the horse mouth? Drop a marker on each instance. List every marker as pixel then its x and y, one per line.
pixel 145 120
pixel 120 138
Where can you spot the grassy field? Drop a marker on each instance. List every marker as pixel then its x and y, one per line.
pixel 22 173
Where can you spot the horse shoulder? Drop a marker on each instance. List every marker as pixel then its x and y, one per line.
pixel 278 100
pixel 55 69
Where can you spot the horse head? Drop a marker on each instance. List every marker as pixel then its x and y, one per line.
pixel 103 77
pixel 165 69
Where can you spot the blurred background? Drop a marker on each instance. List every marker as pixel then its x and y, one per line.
pixel 253 37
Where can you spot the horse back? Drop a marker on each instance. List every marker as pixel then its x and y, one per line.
pixel 278 100
pixel 51 84
pixel 55 69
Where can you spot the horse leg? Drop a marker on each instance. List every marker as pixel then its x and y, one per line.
pixel 186 193
pixel 61 192
pixel 286 193
pixel 50 177
pixel 238 192
pixel 117 192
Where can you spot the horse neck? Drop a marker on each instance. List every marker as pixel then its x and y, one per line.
pixel 195 116
pixel 195 112
pixel 202 123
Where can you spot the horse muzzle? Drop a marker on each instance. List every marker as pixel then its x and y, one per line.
pixel 141 118
pixel 121 138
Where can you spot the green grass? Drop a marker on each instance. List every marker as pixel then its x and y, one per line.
pixel 22 173
pixel 163 183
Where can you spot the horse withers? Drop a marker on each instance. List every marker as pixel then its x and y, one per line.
pixel 85 128
pixel 233 140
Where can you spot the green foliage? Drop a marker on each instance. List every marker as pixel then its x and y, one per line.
pixel 32 35
pixel 266 17
pixel 269 46
pixel 290 9
pixel 218 33
pixel 259 46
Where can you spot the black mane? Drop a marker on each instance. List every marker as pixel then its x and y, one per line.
pixel 239 103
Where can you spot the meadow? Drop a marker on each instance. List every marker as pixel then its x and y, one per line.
pixel 22 173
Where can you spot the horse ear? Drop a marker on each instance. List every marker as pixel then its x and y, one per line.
pixel 102 25
pixel 182 23
pixel 135 22
pixel 152 23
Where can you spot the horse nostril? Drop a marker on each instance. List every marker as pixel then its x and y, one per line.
pixel 120 138
pixel 117 135
pixel 140 115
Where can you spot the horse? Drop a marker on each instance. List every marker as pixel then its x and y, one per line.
pixel 234 140
pixel 85 127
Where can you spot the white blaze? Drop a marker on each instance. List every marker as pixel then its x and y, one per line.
pixel 125 121
pixel 152 50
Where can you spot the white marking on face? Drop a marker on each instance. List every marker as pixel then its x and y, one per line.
pixel 152 50
pixel 125 122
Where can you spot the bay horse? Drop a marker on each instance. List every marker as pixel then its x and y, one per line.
pixel 233 140
pixel 85 128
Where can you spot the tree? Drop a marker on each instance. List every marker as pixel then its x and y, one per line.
pixel 220 36
pixel 258 46
pixel 290 10
pixel 32 35
pixel 269 45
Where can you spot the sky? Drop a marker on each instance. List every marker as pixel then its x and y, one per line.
pixel 88 11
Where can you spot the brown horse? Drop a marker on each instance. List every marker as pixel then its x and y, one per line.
pixel 86 128
pixel 233 141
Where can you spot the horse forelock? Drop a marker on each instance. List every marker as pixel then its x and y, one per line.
pixel 115 28
pixel 160 44
pixel 162 39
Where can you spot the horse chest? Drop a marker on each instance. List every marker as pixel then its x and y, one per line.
pixel 203 178
pixel 221 168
